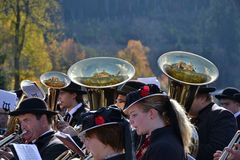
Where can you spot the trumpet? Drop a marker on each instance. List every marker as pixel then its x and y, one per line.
pixel 236 139
pixel 15 136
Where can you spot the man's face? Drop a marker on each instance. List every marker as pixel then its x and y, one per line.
pixel 230 105
pixel 120 101
pixel 67 99
pixel 32 126
pixel 196 106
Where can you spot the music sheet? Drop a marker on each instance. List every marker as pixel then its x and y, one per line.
pixel 26 151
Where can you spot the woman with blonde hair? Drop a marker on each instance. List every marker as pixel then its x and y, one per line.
pixel 163 121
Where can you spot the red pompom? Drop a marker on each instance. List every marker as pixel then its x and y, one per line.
pixel 145 91
pixel 99 120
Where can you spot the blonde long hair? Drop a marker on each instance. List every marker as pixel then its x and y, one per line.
pixel 185 126
pixel 171 111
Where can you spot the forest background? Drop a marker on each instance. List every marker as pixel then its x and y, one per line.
pixel 41 35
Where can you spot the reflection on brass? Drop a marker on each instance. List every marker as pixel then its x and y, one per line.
pixel 185 72
pixel 101 79
pixel 54 82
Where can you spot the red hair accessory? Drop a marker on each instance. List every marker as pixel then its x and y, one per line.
pixel 145 91
pixel 99 120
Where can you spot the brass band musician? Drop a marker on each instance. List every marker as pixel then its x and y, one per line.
pixel 36 120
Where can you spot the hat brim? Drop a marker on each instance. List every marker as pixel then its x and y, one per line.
pixel 222 96
pixel 18 112
pixel 206 90
pixel 72 90
pixel 97 126
pixel 152 95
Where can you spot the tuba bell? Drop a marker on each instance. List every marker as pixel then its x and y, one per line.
pixel 100 76
pixel 54 80
pixel 186 72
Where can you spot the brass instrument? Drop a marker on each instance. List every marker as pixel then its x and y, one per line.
pixel 100 76
pixel 236 139
pixel 185 81
pixel 15 136
pixel 186 72
pixel 54 80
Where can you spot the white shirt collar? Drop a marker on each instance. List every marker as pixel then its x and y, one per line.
pixel 237 114
pixel 74 109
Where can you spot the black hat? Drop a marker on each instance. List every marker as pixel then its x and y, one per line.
pixel 228 93
pixel 73 87
pixel 206 89
pixel 32 105
pixel 237 97
pixel 146 91
pixel 130 86
pixel 101 117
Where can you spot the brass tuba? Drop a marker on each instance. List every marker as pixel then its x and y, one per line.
pixel 54 80
pixel 186 72
pixel 100 76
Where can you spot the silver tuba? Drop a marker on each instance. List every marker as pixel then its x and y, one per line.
pixel 100 76
pixel 186 72
pixel 54 80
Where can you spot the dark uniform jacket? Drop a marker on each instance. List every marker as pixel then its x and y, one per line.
pixel 76 117
pixel 238 121
pixel 117 157
pixel 49 146
pixel 164 145
pixel 216 127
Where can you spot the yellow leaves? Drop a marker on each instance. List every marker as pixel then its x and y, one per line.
pixel 136 54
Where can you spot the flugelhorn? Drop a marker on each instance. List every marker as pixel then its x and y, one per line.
pixel 54 80
pixel 236 139
pixel 100 76
pixel 186 72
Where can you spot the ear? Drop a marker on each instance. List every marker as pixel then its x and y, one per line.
pixel 153 113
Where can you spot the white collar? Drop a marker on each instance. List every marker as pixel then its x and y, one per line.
pixel 74 109
pixel 33 141
pixel 237 114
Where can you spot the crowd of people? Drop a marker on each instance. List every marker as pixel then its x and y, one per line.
pixel 144 124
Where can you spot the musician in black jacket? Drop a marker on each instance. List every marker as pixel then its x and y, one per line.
pixel 215 125
pixel 163 121
pixel 230 102
pixel 106 134
pixel 36 120
pixel 71 98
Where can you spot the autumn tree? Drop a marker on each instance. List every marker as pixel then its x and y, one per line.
pixel 136 54
pixel 28 23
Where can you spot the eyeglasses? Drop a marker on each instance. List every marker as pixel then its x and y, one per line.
pixel 120 101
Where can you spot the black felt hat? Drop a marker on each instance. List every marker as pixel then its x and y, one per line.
pixel 73 87
pixel 32 105
pixel 146 91
pixel 228 93
pixel 237 97
pixel 130 86
pixel 101 117
pixel 206 89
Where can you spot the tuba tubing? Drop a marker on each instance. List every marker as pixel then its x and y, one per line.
pixel 235 139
